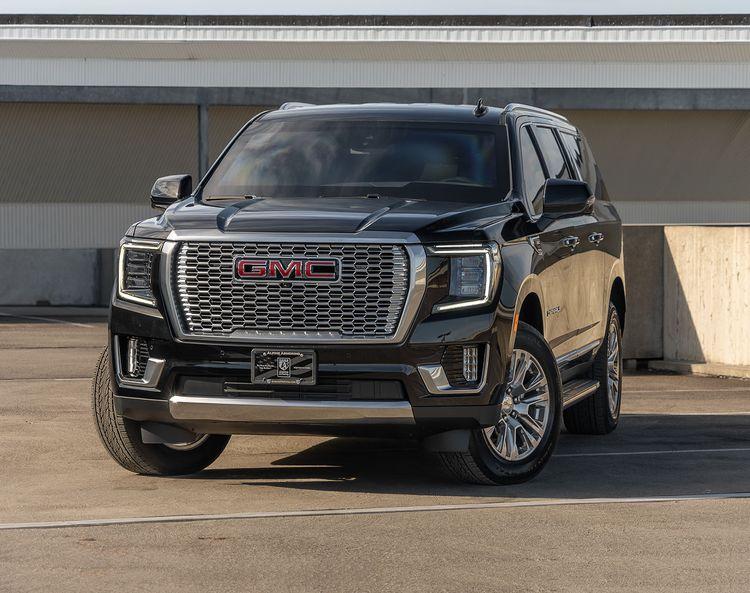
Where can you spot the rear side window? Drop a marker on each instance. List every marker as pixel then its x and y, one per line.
pixel 582 158
pixel 533 173
pixel 552 154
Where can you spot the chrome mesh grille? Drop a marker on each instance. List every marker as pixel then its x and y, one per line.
pixel 367 302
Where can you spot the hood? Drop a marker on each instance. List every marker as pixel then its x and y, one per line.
pixel 428 219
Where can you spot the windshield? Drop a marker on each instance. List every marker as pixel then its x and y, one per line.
pixel 323 158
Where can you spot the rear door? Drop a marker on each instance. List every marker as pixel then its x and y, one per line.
pixel 597 233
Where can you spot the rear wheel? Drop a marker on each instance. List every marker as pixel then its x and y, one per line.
pixel 599 413
pixel 521 443
pixel 122 437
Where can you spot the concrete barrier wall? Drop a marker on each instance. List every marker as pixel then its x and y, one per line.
pixel 707 295
pixel 79 277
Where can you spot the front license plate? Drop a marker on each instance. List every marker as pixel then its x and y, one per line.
pixel 283 367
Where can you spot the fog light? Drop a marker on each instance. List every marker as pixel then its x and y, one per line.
pixel 471 363
pixel 132 356
pixel 135 356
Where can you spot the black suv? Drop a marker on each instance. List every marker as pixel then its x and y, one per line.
pixel 447 273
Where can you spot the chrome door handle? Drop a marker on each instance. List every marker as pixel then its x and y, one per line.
pixel 536 244
pixel 596 238
pixel 571 242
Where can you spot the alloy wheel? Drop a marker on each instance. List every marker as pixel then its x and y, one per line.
pixel 202 438
pixel 524 410
pixel 613 370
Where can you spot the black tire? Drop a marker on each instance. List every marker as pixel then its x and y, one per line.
pixel 480 465
pixel 594 414
pixel 121 437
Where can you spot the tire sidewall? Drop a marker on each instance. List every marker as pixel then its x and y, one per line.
pixel 612 418
pixel 121 436
pixel 499 470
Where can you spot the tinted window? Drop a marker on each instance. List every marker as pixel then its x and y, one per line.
pixel 311 158
pixel 582 158
pixel 533 174
pixel 553 156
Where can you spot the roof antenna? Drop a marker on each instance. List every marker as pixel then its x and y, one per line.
pixel 481 108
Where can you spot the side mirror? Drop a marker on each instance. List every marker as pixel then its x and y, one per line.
pixel 168 190
pixel 567 197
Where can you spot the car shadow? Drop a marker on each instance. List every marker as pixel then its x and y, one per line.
pixel 646 456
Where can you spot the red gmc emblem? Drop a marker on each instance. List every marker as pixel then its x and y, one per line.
pixel 286 269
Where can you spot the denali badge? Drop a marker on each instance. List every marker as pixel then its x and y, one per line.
pixel 286 269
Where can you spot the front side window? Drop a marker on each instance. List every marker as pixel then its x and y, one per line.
pixel 533 173
pixel 311 158
pixel 552 153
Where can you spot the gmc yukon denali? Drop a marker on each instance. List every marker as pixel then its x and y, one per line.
pixel 451 274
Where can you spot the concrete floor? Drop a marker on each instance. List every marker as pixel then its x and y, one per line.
pixel 655 506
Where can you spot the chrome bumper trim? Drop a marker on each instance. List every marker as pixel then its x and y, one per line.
pixel 262 410
pixel 436 382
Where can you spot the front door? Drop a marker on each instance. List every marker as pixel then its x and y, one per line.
pixel 558 241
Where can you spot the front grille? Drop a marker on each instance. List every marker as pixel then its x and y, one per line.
pixel 366 302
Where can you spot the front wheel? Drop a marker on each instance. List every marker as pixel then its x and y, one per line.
pixel 521 443
pixel 121 437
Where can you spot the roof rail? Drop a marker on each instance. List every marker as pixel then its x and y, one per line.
pixel 535 110
pixel 294 105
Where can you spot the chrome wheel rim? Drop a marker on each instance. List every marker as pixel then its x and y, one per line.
pixel 202 438
pixel 613 370
pixel 524 410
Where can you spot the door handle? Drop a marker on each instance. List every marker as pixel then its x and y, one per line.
pixel 571 242
pixel 536 244
pixel 596 238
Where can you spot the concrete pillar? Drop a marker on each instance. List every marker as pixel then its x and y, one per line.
pixel 644 258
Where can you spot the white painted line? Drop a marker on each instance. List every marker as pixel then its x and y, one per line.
pixel 656 414
pixel 49 319
pixel 371 511
pixel 702 390
pixel 655 452
pixel 26 380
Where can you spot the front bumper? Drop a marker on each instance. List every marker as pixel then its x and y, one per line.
pixel 209 415
pixel 186 379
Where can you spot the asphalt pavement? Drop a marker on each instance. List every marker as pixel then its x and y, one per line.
pixel 661 504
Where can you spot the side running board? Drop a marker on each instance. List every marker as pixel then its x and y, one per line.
pixel 578 389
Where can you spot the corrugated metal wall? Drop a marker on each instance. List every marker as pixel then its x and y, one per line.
pixel 671 155
pixel 77 175
pixel 223 123
pixel 92 153
pixel 372 73
pixel 82 172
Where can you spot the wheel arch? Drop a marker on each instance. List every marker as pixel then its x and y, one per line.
pixel 531 312
pixel 617 297
pixel 529 307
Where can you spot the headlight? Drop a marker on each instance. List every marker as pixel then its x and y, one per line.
pixel 135 271
pixel 474 271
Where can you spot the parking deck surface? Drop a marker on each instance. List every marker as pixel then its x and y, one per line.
pixel 661 504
